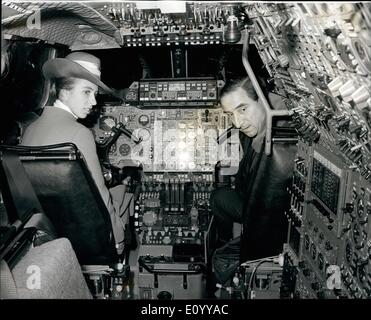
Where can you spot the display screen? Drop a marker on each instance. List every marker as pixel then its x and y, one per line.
pixel 177 86
pixel 325 185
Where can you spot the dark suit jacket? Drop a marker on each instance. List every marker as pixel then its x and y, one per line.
pixel 56 125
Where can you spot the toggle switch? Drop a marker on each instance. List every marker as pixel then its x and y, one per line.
pixel 346 90
pixel 335 85
pixel 360 97
pixel 283 60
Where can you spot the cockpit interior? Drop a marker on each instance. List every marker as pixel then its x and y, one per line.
pixel 163 134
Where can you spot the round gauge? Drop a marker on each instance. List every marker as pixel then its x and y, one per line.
pixel 143 134
pixel 143 120
pixel 124 149
pixel 138 150
pixel 149 218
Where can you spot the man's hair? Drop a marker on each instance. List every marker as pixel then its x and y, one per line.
pixel 244 83
pixel 57 85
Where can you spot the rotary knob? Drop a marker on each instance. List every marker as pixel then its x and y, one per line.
pixel 346 90
pixel 360 97
pixel 283 60
pixel 335 85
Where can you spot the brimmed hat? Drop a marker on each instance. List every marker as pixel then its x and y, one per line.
pixel 76 65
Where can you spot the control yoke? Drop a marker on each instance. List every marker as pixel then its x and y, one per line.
pixel 103 148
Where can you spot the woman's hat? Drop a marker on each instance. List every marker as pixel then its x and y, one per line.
pixel 80 65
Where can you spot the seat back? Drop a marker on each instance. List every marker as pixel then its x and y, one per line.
pixel 264 222
pixel 48 271
pixel 71 200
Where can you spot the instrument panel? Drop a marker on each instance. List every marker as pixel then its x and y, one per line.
pixel 180 139
pixel 317 55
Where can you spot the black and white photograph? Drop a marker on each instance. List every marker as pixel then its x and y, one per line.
pixel 207 152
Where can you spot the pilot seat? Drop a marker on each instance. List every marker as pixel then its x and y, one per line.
pixel 65 192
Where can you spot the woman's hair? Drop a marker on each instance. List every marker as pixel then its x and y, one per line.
pixel 243 83
pixel 57 85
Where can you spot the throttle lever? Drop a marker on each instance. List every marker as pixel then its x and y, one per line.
pixel 121 127
pixel 103 148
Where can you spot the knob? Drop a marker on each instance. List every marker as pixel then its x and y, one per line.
pixel 349 207
pixel 332 32
pixel 347 227
pixel 346 90
pixel 360 97
pixel 283 60
pixel 183 31
pixel 363 220
pixel 236 281
pixel 207 115
pixel 334 86
pixel 232 34
pixel 143 120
